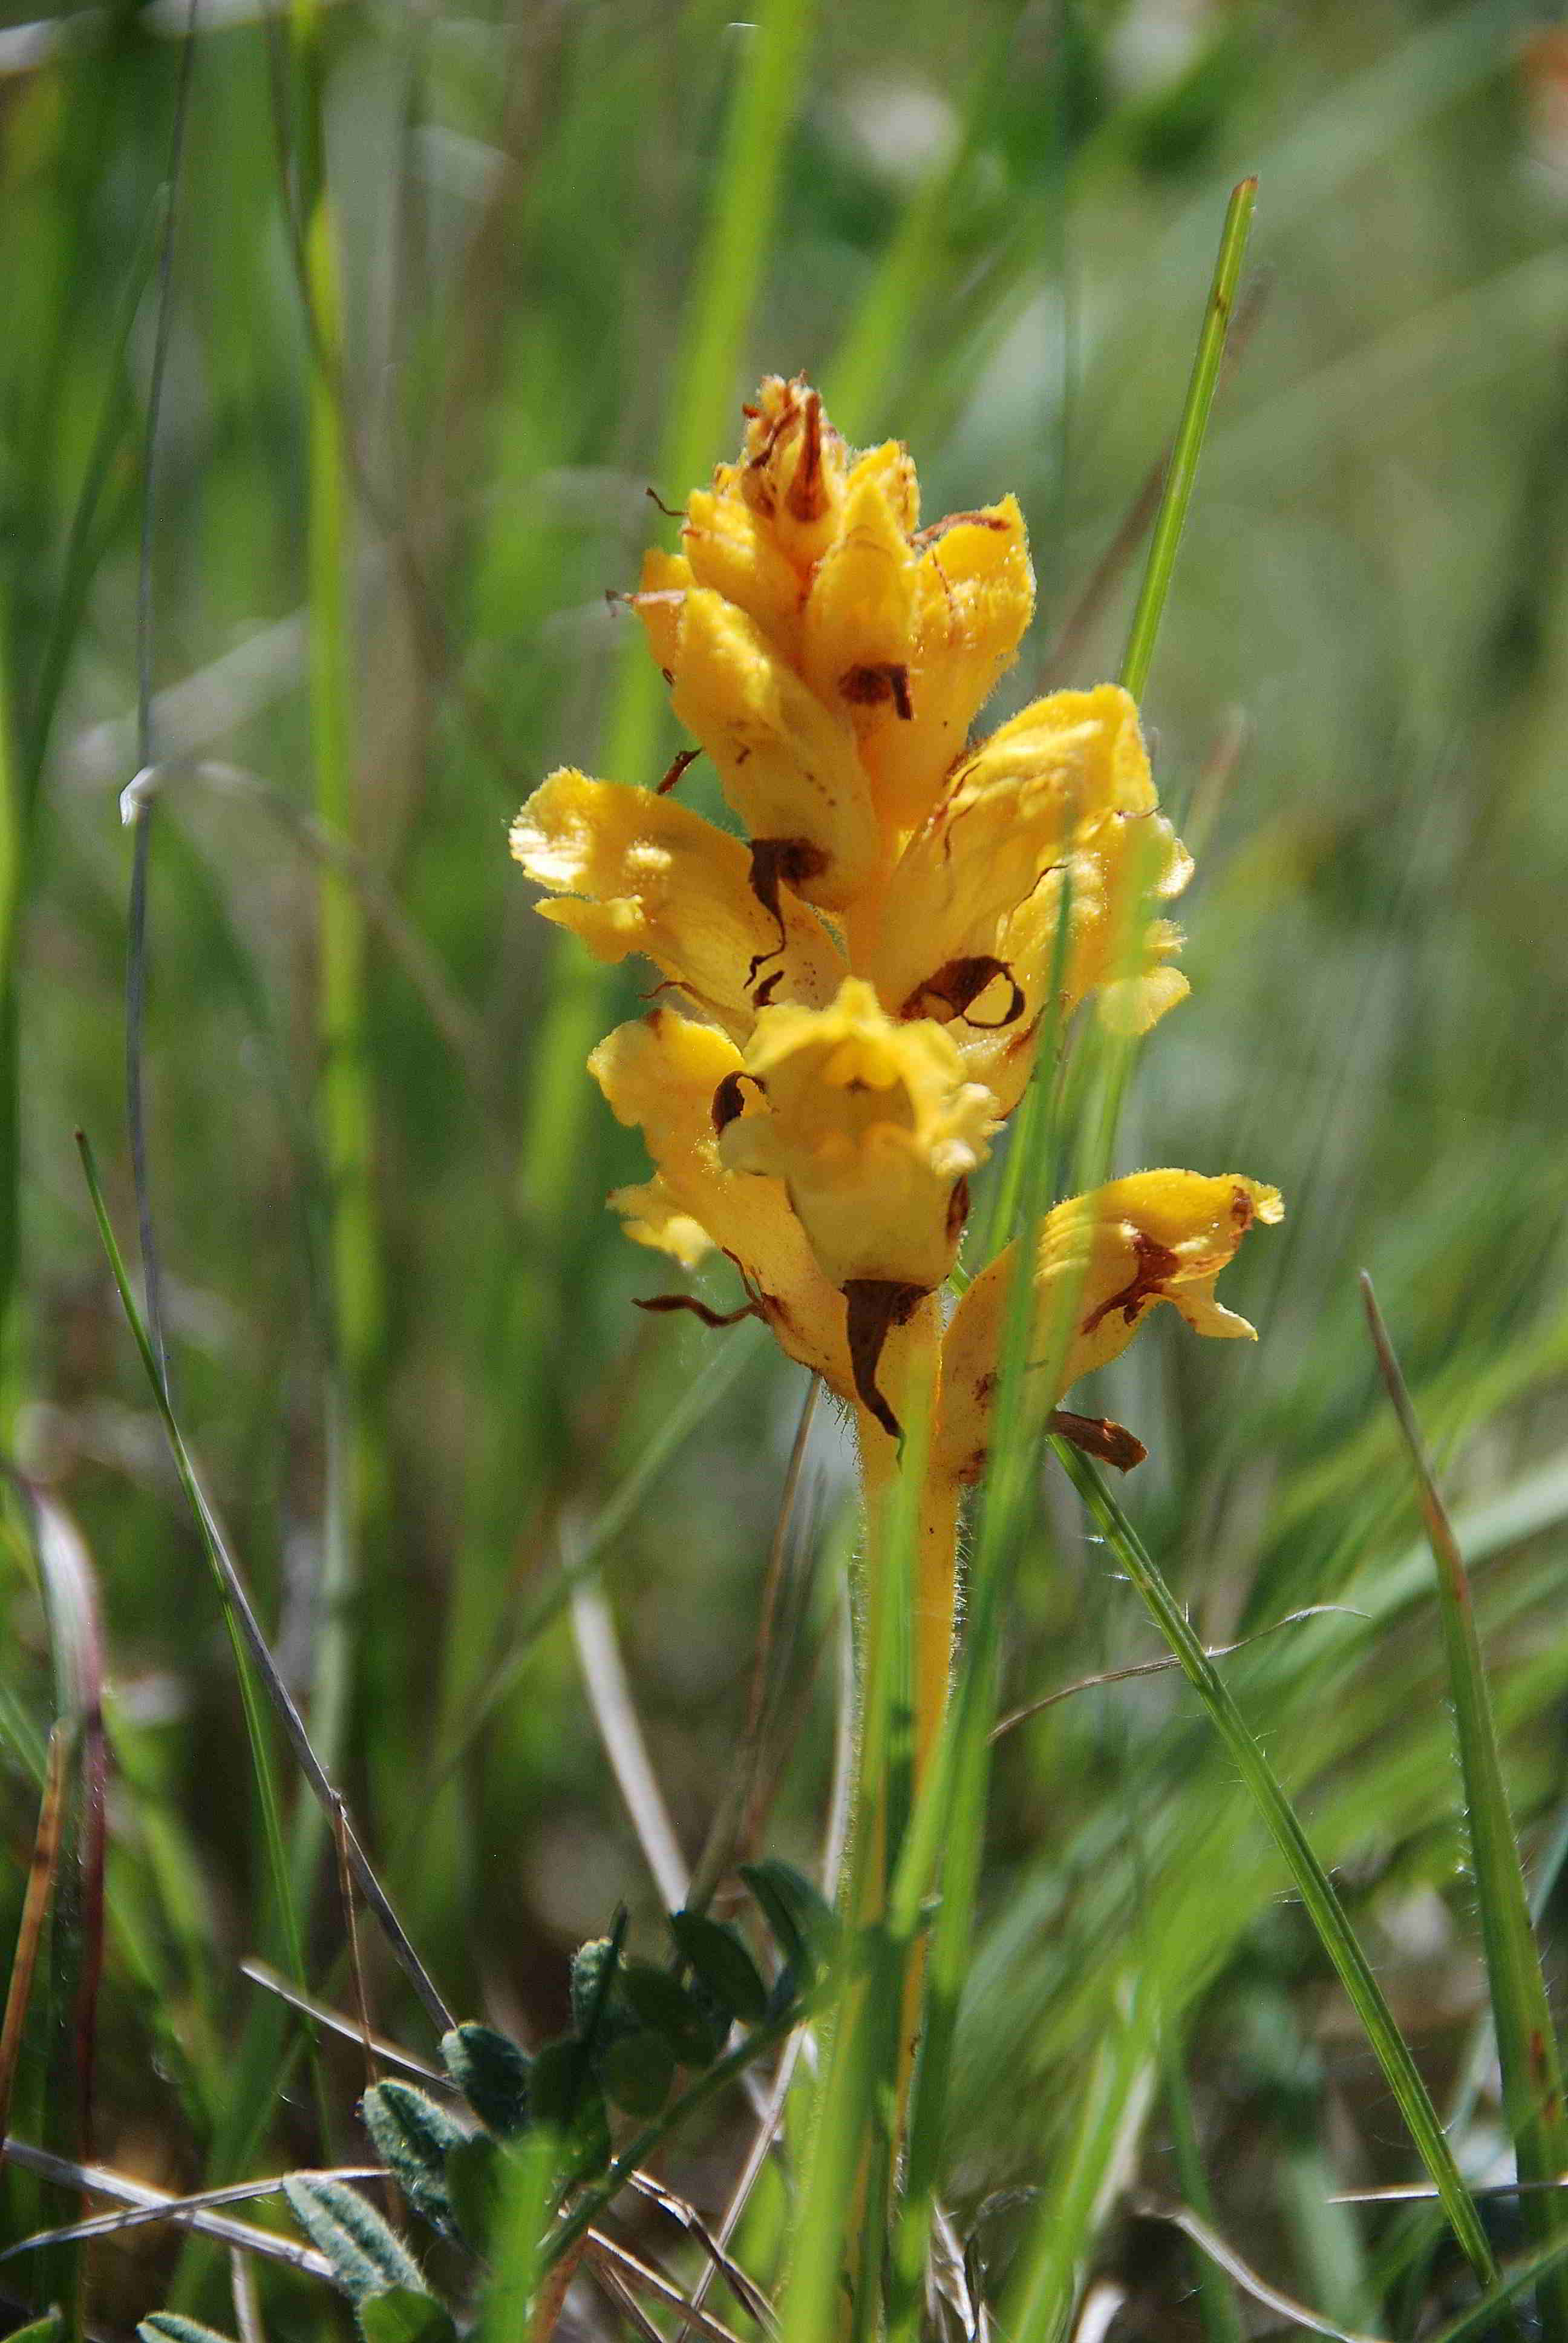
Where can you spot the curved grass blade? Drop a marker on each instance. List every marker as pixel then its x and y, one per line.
pixel 1316 1890
pixel 1170 518
pixel 252 1655
pixel 1521 2012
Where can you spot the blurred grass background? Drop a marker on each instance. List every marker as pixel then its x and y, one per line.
pixel 450 290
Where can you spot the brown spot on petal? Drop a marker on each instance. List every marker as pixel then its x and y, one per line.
pixel 687 756
pixel 728 1101
pixel 776 863
pixel 868 687
pixel 875 1305
pixel 1110 1443
pixel 808 496
pixel 940 529
pixel 1241 1209
pixel 763 996
pixel 697 1308
pixel 958 983
pixel 1156 1262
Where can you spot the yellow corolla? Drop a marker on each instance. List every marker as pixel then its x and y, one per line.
pixel 640 873
pixel 873 1129
pixel 1101 1263
pixel 673 1078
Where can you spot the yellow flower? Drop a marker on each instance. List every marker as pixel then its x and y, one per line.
pixel 1101 1263
pixel 641 873
pixel 873 959
pixel 665 1074
pixel 873 1129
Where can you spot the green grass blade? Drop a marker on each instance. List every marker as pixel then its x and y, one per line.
pixel 1177 495
pixel 355 1461
pixel 1521 2012
pixel 1478 2324
pixel 1313 1883
pixel 1216 2295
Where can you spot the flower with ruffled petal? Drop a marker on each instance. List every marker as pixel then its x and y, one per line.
pixel 1102 1262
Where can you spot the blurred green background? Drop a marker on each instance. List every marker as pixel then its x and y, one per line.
pixel 449 290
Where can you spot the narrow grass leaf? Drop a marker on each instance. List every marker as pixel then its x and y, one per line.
pixel 1179 480
pixel 1316 1890
pixel 1521 2012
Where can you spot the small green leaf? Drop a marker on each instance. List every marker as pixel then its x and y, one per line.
pixel 637 2070
pixel 568 2097
pixel 804 1924
pixel 594 1967
pixel 404 2316
pixel 159 2327
pixel 50 2327
pixel 492 2074
pixel 474 2188
pixel 666 2006
pixel 561 2082
pixel 414 2137
pixel 723 1963
pixel 367 2256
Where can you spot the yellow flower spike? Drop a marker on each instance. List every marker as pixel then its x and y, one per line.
pixel 665 1073
pixel 1108 1259
pixel 789 764
pixel 642 873
pixel 975 597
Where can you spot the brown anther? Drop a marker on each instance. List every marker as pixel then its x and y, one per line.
pixel 808 496
pixel 1098 1436
pixel 958 1210
pixel 658 1302
pixel 868 687
pixel 958 983
pixel 763 996
pixel 728 1102
pixel 874 1306
pixel 1156 1262
pixel 776 863
pixel 687 756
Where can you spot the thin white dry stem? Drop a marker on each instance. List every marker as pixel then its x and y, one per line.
pixel 246 2299
pixel 1209 2241
pixel 338 2021
pixel 143 2204
pixel 642 2274
pixel 609 1697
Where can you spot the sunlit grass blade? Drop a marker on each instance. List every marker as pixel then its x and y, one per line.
pixel 1521 2011
pixel 356 1460
pixel 1179 480
pixel 1317 1892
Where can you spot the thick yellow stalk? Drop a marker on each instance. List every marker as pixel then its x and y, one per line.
pixel 909 1372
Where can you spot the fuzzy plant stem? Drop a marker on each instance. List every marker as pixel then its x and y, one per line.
pixel 905 1625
